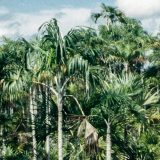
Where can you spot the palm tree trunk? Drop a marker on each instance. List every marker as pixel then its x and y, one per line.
pixel 108 142
pixel 32 112
pixel 47 147
pixel 125 140
pixel 3 141
pixel 47 143
pixel 60 121
pixel 126 68
pixel 1 135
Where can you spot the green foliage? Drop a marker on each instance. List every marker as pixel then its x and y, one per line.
pixel 10 154
pixel 105 75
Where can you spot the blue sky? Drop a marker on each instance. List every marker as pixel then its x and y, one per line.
pixel 23 17
pixel 37 5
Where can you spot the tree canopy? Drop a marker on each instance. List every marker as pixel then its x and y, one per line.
pixel 92 94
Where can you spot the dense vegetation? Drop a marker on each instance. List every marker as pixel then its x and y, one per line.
pixel 91 94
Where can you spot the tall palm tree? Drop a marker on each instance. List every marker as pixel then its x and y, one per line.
pixel 118 103
pixel 55 57
pixel 33 110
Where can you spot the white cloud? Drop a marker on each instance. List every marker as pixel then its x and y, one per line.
pixel 27 24
pixel 74 17
pixel 140 8
pixel 148 11
pixel 152 24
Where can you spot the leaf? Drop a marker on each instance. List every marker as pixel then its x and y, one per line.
pixel 91 139
pixel 81 128
pixel 151 98
pixel 90 130
pixel 91 136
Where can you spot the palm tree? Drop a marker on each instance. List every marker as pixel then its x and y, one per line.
pixel 118 103
pixel 48 110
pixel 110 14
pixel 125 42
pixel 55 57
pixel 13 79
pixel 33 111
pixel 116 96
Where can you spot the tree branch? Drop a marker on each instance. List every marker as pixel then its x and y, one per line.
pixel 65 83
pixel 45 85
pixel 79 106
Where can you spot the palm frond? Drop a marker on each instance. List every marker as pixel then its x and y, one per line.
pixel 91 136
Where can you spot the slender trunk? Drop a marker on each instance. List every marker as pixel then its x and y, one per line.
pixel 47 147
pixel 11 110
pixel 47 143
pixel 126 68
pixel 1 135
pixel 3 151
pixel 60 121
pixel 32 112
pixel 125 140
pixel 108 142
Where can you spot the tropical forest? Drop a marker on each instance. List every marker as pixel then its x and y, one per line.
pixel 91 94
